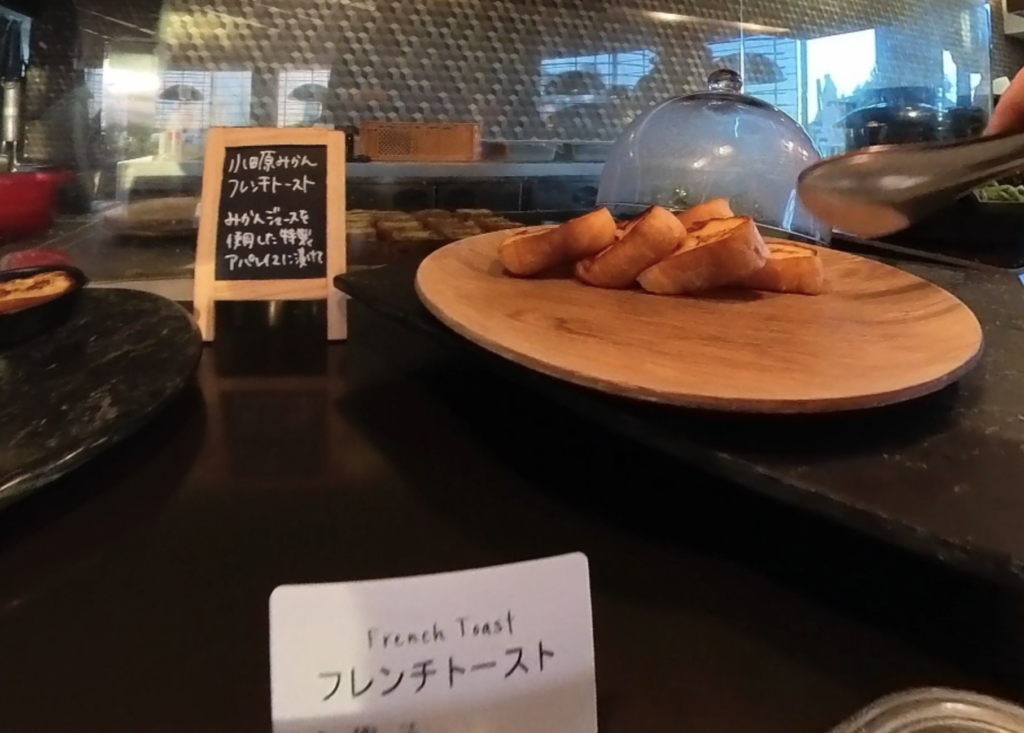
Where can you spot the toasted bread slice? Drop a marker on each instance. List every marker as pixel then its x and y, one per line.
pixel 713 209
pixel 721 256
pixel 587 235
pixel 791 268
pixel 647 240
pixel 625 227
pixel 532 252
pixel 707 230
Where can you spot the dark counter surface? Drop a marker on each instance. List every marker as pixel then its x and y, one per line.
pixel 71 392
pixel 940 475
pixel 133 592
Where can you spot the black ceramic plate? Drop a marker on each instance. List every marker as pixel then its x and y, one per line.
pixel 27 323
pixel 88 384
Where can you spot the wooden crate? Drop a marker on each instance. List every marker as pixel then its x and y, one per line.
pixel 454 142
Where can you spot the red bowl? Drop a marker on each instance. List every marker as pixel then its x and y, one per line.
pixel 35 257
pixel 28 203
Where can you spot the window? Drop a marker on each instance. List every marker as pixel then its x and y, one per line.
pixel 232 99
pixel 949 78
pixel 197 100
pixel 837 67
pixel 26 29
pixel 597 79
pixel 301 94
pixel 770 67
pixel 842 63
pixel 184 101
pixel 94 85
pixel 623 69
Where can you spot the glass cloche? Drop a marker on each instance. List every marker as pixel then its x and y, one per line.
pixel 718 143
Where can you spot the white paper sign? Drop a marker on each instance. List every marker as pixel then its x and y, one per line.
pixel 507 649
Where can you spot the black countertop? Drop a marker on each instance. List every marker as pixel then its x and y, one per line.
pixel 940 475
pixel 133 591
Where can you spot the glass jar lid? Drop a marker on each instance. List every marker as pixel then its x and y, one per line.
pixel 717 143
pixel 936 710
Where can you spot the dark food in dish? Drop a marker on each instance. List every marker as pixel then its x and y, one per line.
pixel 25 292
pixel 35 299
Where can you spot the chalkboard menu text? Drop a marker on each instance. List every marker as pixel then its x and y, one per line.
pixel 272 220
pixel 273 214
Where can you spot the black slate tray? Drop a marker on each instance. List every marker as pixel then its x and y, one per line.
pixel 984 233
pixel 940 475
pixel 72 392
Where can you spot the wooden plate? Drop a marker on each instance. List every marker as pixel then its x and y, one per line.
pixel 881 336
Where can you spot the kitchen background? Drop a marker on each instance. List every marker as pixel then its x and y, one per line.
pixel 122 92
pixel 107 76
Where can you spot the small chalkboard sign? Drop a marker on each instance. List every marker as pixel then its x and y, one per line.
pixel 273 213
pixel 272 220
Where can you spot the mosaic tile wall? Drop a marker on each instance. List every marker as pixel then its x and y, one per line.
pixel 525 69
pixel 1007 53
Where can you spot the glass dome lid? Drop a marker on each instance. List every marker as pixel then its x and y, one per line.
pixel 713 144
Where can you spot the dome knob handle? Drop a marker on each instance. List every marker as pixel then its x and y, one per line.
pixel 725 80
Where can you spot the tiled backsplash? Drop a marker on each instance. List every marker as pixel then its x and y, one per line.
pixel 107 75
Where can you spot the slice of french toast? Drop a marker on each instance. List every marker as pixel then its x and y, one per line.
pixel 645 241
pixel 720 253
pixel 713 209
pixel 791 268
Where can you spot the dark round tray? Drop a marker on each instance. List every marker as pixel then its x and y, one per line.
pixel 90 382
